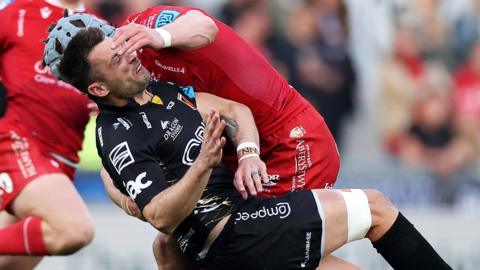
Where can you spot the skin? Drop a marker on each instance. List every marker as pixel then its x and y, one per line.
pixel 128 77
pixel 382 211
pixel 132 37
pixel 65 229
pixel 15 262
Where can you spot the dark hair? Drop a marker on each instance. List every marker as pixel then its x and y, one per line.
pixel 74 67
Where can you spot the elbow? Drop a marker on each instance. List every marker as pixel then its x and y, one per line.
pixel 211 30
pixel 206 26
pixel 164 224
pixel 241 109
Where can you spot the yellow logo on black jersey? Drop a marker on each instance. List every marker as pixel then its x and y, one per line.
pixel 157 100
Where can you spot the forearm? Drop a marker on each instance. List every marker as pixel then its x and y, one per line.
pixel 113 193
pixel 192 30
pixel 170 207
pixel 240 126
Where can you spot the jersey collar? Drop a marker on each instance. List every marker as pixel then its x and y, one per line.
pixel 130 105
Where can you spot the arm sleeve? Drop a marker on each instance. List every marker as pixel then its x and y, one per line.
pixel 160 15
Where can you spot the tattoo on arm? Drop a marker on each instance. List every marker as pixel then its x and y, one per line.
pixel 231 129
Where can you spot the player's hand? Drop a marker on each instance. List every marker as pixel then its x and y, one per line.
pixel 122 200
pixel 132 37
pixel 213 141
pixel 131 208
pixel 250 174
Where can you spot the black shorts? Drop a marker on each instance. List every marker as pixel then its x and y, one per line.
pixel 274 234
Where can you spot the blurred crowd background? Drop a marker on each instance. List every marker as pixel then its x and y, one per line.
pixel 397 81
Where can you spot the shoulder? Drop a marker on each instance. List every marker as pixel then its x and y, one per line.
pixel 171 91
pixel 117 140
pixel 163 89
pixel 114 129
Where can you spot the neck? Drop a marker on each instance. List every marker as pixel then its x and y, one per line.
pixel 142 98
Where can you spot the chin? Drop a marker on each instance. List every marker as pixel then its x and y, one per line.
pixel 143 83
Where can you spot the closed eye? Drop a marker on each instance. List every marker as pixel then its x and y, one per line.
pixel 115 59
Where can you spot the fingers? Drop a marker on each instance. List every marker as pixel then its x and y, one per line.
pixel 130 38
pixel 249 183
pixel 134 43
pixel 263 172
pixel 244 182
pixel 255 176
pixel 213 141
pixel 215 126
pixel 133 209
pixel 123 34
pixel 238 183
pixel 249 176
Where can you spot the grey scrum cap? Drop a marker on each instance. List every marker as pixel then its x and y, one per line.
pixel 64 31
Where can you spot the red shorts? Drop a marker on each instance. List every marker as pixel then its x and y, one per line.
pixel 302 154
pixel 22 160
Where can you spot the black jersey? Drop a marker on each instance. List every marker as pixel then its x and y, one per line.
pixel 146 148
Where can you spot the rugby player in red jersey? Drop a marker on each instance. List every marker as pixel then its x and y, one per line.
pixel 40 135
pixel 299 151
pixel 297 146
pixel 173 172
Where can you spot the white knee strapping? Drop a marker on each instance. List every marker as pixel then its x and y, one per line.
pixel 322 217
pixel 358 213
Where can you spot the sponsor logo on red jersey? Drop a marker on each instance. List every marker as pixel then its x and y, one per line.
pixel 6 184
pixel 165 17
pixel 45 12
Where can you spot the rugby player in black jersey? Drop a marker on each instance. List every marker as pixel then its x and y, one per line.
pixel 157 149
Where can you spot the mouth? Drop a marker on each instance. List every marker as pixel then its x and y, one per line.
pixel 139 67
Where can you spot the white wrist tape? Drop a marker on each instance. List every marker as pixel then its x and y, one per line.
pixel 247 156
pixel 358 214
pixel 247 144
pixel 167 37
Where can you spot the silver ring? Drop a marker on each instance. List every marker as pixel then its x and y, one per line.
pixel 254 173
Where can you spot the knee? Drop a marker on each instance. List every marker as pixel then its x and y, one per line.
pixel 162 244
pixel 72 238
pixel 379 204
pixel 382 209
pixel 376 196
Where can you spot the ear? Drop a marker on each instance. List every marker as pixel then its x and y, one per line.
pixel 98 90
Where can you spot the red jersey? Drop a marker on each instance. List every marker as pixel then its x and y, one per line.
pixel 467 92
pixel 228 67
pixel 52 110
